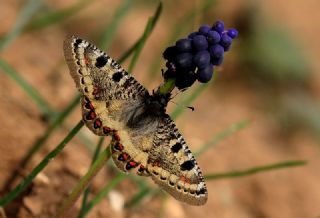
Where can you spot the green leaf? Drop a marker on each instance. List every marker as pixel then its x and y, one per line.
pixel 255 170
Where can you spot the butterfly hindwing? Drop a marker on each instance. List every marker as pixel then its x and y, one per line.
pixel 144 139
pixel 173 167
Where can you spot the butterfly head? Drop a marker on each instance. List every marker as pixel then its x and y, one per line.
pixel 157 103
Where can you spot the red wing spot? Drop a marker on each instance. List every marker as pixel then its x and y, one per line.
pixel 157 163
pixel 123 157
pixel 86 61
pixel 118 146
pixel 131 164
pixel 116 137
pixel 184 179
pixel 106 130
pixel 89 106
pixel 97 123
pixel 141 168
pixel 91 115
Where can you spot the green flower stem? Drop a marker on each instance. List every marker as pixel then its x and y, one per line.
pixel 83 183
pixel 255 170
pixel 87 191
pixel 28 180
pixel 149 27
pixel 167 86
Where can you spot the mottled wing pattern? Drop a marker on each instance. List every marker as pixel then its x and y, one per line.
pixel 151 147
pixel 173 167
pixel 105 86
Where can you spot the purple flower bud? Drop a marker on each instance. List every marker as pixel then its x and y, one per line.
pixel 218 26
pixel 217 60
pixel 216 51
pixel 201 59
pixel 204 29
pixel 184 45
pixel 171 66
pixel 191 35
pixel 185 78
pixel 170 53
pixel 213 37
pixel 184 59
pixel 200 42
pixel 204 75
pixel 225 41
pixel 169 74
pixel 233 33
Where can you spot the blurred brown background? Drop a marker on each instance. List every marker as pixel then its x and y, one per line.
pixel 270 77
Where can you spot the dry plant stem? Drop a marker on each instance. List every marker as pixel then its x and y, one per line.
pixel 83 183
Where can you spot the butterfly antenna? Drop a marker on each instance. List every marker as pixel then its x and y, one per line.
pixel 179 105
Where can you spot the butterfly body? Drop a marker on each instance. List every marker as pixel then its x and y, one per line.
pixel 144 138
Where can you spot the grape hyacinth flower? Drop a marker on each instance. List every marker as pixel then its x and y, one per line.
pixel 193 58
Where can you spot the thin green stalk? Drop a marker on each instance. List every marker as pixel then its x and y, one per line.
pixel 83 183
pixel 149 27
pixel 105 190
pixel 222 135
pixel 28 180
pixel 110 30
pixel 54 17
pixel 255 170
pixel 27 12
pixel 87 191
pixel 167 87
pixel 25 86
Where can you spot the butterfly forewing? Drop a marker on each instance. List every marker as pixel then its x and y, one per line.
pixel 114 103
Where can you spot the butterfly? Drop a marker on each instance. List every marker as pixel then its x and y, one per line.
pixel 145 140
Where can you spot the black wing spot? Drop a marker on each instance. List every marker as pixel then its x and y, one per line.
pixel 117 76
pixel 78 41
pixel 176 148
pixel 101 61
pixel 187 165
pixel 201 191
